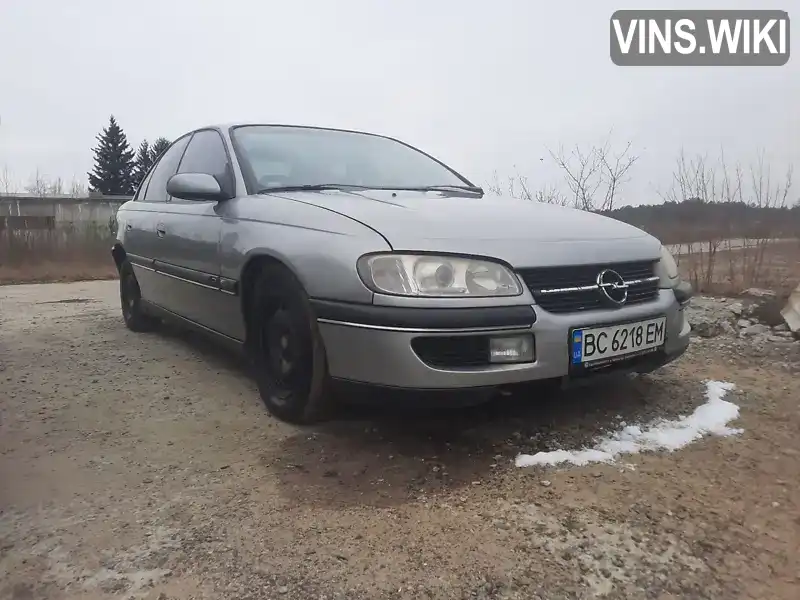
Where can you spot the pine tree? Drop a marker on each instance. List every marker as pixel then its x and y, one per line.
pixel 158 148
pixel 142 162
pixel 113 162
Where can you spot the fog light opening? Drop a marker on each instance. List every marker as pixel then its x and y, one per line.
pixel 511 349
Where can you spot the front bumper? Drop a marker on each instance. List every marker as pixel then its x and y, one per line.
pixel 375 345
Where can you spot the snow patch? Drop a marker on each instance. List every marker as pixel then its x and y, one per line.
pixel 710 418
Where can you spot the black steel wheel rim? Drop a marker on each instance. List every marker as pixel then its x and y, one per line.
pixel 130 295
pixel 285 361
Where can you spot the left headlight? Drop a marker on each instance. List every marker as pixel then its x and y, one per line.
pixel 436 276
pixel 667 270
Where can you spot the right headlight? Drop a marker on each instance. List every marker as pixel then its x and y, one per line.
pixel 436 276
pixel 667 270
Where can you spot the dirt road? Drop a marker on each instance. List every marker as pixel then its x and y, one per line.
pixel 145 466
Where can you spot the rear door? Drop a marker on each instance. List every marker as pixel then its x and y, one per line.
pixel 190 234
pixel 136 221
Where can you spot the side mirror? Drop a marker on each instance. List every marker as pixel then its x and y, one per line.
pixel 194 186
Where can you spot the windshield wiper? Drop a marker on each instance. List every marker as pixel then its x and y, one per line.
pixel 316 187
pixel 472 189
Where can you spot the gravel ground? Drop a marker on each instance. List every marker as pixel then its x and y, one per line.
pixel 145 467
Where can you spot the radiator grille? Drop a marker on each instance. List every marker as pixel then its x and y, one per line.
pixel 540 280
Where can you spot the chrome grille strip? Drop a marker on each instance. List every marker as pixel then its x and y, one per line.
pixel 589 288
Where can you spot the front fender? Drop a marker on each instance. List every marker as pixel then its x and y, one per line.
pixel 321 248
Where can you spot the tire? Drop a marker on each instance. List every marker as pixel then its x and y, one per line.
pixel 287 350
pixel 131 300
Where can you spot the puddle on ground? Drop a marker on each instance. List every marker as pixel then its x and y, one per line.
pixel 69 301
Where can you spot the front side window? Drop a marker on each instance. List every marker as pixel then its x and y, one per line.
pixel 279 156
pixel 166 167
pixel 206 154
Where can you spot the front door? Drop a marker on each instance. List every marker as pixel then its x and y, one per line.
pixel 188 263
pixel 189 232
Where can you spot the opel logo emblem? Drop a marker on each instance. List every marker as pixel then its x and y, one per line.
pixel 613 287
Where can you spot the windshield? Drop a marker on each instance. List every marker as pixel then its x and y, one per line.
pixel 281 156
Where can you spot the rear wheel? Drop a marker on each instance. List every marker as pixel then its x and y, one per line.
pixel 287 349
pixel 131 300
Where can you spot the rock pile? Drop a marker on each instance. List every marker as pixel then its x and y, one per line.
pixel 750 316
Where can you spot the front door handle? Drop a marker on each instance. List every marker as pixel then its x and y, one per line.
pixel 160 230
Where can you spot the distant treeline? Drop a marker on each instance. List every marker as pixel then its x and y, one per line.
pixel 694 220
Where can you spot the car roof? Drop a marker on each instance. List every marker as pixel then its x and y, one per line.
pixel 229 125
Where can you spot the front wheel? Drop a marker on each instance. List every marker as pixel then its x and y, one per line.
pixel 131 300
pixel 288 352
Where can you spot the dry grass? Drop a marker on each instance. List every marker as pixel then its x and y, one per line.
pixel 774 266
pixel 53 272
pixel 66 253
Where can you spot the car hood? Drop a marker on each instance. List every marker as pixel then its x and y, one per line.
pixel 520 232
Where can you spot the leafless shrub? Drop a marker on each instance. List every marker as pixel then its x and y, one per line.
pixel 494 186
pixel 38 185
pixel 765 192
pixel 595 175
pixel 77 189
pixel 695 180
pixel 41 186
pixel 517 187
pixel 701 181
pixel 7 184
pixel 56 187
pixel 551 195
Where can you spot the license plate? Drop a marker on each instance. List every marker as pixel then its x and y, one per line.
pixel 596 345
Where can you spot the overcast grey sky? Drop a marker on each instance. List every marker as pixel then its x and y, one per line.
pixel 483 85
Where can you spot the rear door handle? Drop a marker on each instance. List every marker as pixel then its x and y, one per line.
pixel 160 230
pixel 128 227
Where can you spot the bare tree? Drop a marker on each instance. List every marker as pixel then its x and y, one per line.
pixel 595 175
pixel 517 187
pixel 765 192
pixel 77 189
pixel 696 180
pixel 581 172
pixel 41 186
pixel 551 195
pixel 494 186
pixel 744 243
pixel 38 185
pixel 614 168
pixel 7 184
pixel 55 187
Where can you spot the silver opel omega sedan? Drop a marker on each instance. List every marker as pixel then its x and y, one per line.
pixel 330 255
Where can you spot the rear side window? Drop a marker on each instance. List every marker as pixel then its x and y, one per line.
pixel 206 154
pixel 143 187
pixel 166 167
